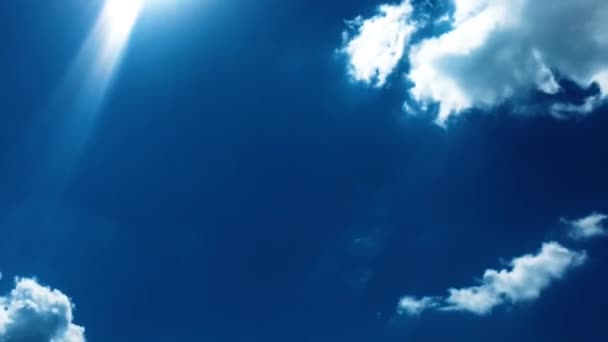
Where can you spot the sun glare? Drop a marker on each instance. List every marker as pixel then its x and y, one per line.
pixel 116 23
pixel 81 95
pixel 121 16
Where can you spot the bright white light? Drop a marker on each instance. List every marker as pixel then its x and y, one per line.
pixel 115 25
pixel 79 100
pixel 120 16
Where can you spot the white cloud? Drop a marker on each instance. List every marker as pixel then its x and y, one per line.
pixel 478 300
pixel 587 227
pixel 496 50
pixel 379 42
pixel 524 281
pixel 413 306
pixel 32 312
pixel 504 49
pixel 528 276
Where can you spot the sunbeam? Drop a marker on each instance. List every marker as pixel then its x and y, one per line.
pixel 91 75
pixel 77 104
pixel 113 30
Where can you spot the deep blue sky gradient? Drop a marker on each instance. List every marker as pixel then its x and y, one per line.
pixel 238 187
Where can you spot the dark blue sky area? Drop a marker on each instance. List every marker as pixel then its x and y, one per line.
pixel 238 187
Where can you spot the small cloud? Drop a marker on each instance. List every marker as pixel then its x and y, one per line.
pixel 413 306
pixel 32 312
pixel 524 281
pixel 479 300
pixel 587 227
pixel 378 43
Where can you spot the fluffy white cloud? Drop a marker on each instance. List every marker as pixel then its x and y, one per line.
pixel 35 313
pixel 379 42
pixel 587 227
pixel 524 281
pixel 528 276
pixel 503 49
pixel 495 50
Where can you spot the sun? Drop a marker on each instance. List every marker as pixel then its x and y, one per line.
pixel 112 32
pixel 119 17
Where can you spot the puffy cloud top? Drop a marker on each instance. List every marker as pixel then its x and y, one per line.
pixel 35 313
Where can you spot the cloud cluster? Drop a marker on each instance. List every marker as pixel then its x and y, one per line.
pixel 499 50
pixel 587 227
pixel 527 277
pixel 35 313
pixel 378 43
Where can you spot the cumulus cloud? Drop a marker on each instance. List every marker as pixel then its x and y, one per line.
pixel 504 49
pixel 494 51
pixel 378 43
pixel 35 313
pixel 587 227
pixel 527 276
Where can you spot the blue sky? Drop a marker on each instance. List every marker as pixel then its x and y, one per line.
pixel 271 171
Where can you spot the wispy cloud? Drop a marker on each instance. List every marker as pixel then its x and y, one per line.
pixel 587 227
pixel 415 306
pixel 526 278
